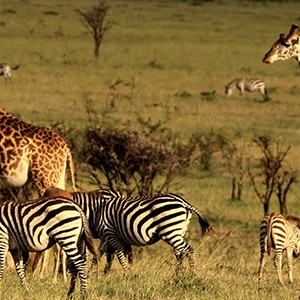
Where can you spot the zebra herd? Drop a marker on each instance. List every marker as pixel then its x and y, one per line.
pixel 73 220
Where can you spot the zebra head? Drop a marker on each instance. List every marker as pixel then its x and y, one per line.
pixel 285 47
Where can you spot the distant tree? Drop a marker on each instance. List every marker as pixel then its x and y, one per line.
pixel 284 180
pixel 93 20
pixel 267 177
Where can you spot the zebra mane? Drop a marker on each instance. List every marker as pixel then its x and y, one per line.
pixel 293 220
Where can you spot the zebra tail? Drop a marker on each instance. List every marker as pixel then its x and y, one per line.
pixel 269 232
pixel 72 169
pixel 203 221
pixel 89 238
pixel 16 67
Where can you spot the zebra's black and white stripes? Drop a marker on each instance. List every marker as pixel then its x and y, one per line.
pixel 140 221
pixel 248 85
pixel 280 234
pixel 35 226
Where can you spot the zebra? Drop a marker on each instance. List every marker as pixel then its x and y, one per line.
pixel 85 202
pixel 247 84
pixel 280 234
pixel 140 221
pixel 5 71
pixel 36 225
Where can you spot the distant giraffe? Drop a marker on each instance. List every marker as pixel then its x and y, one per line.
pixel 285 47
pixel 27 149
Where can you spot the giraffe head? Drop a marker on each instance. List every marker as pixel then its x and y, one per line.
pixel 287 46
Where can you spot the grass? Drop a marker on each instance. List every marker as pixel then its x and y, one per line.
pixel 179 56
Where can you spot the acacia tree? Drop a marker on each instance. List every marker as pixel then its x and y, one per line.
pixel 131 163
pixel 284 180
pixel 93 20
pixel 270 164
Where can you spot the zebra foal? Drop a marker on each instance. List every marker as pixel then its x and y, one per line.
pixel 280 234
pixel 248 85
pixel 36 225
pixel 123 222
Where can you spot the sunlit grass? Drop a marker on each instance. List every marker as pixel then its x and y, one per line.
pixel 174 52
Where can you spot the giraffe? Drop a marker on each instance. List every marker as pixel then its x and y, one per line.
pixel 285 47
pixel 28 149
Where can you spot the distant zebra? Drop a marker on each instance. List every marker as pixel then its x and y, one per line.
pixel 5 71
pixel 35 226
pixel 280 234
pixel 247 84
pixel 140 221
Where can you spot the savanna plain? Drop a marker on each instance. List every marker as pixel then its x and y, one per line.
pixel 175 57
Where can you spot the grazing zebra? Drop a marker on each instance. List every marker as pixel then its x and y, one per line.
pixel 285 47
pixel 5 71
pixel 140 221
pixel 247 84
pixel 36 225
pixel 84 200
pixel 280 234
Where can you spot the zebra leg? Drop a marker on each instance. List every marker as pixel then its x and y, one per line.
pixel 289 254
pixel 3 252
pixel 77 265
pixel 109 261
pixel 192 259
pixel 278 264
pixel 179 258
pixel 101 251
pixel 73 272
pixel 122 260
pixel 18 259
pixel 262 263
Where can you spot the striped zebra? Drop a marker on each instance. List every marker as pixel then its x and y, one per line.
pixel 5 71
pixel 36 225
pixel 139 221
pixel 84 200
pixel 280 234
pixel 247 84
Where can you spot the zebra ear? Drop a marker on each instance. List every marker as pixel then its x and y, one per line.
pixel 293 34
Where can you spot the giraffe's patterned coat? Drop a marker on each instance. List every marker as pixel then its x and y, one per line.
pixel 25 147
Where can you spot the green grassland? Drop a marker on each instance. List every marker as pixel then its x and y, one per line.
pixel 173 52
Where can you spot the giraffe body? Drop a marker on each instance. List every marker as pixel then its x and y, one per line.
pixel 32 152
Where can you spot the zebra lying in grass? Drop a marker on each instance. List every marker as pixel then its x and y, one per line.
pixel 280 234
pixel 248 85
pixel 5 71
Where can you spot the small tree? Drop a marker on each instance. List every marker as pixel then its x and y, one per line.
pixel 93 20
pixel 269 165
pixel 284 181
